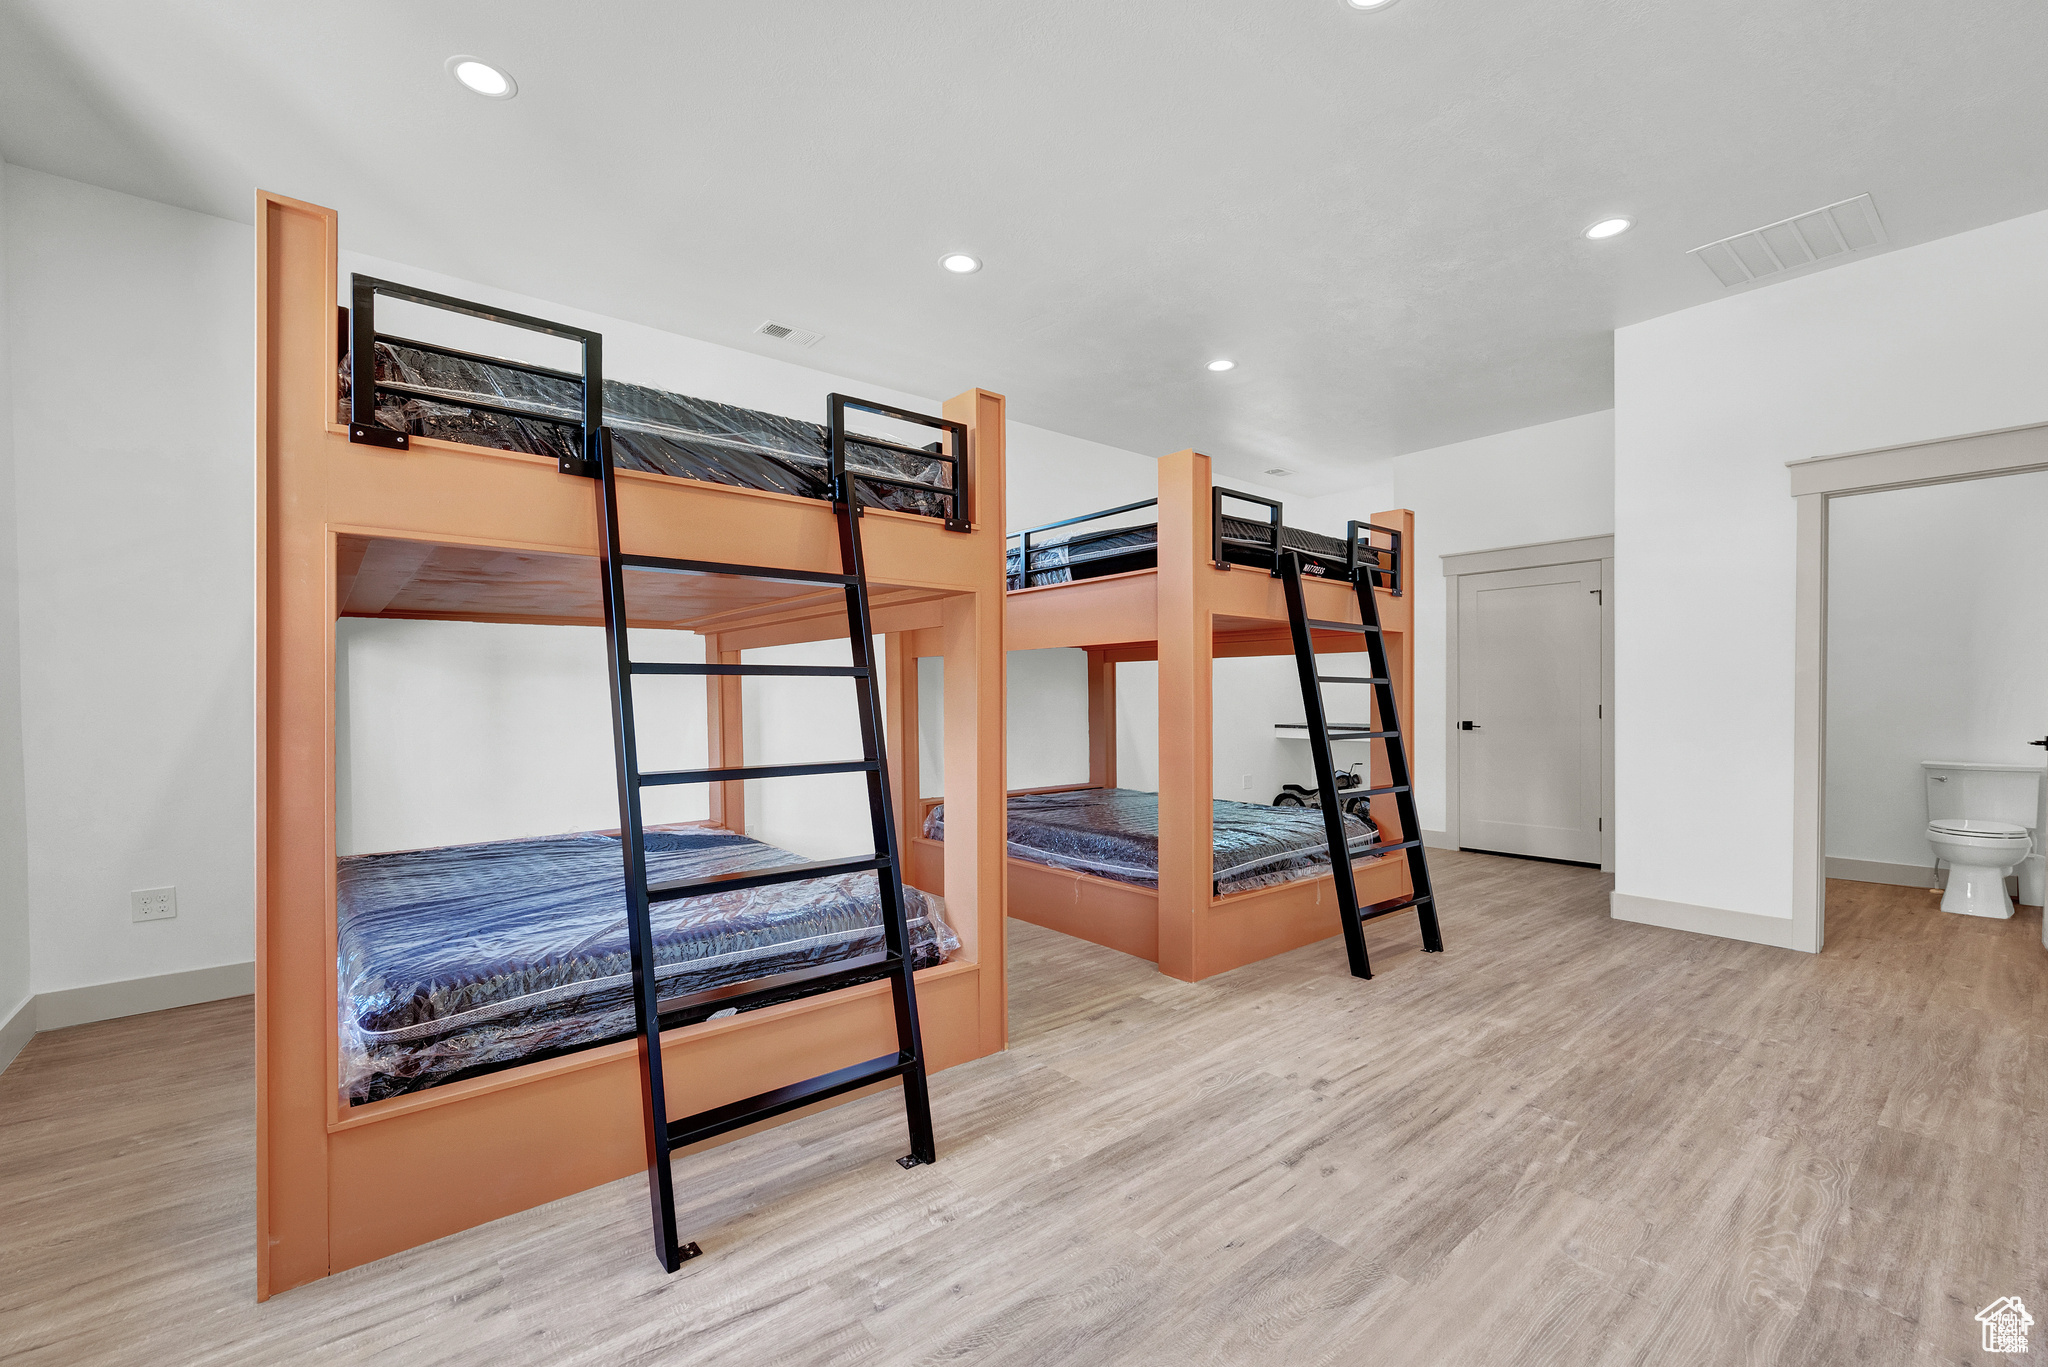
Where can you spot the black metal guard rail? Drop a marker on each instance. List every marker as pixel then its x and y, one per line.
pixel 1024 551
pixel 363 426
pixel 1382 563
pixel 1217 493
pixel 837 439
pixel 1382 573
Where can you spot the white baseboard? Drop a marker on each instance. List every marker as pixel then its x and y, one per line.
pixel 1438 840
pixel 16 1031
pixel 109 1001
pixel 1877 871
pixel 1899 875
pixel 1728 925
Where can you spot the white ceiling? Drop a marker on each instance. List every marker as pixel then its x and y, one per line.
pixel 1375 214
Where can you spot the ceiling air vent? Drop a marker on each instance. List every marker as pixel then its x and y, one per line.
pixel 1790 243
pixel 782 332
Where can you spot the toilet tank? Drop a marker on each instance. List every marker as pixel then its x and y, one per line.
pixel 1983 792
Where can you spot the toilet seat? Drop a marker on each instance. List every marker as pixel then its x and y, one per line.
pixel 1980 830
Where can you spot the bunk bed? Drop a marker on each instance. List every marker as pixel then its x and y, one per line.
pixel 447 1036
pixel 1162 876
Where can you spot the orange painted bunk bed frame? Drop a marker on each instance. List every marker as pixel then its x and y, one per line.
pixel 456 532
pixel 1185 613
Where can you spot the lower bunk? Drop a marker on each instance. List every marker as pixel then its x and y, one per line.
pixel 461 961
pixel 1085 862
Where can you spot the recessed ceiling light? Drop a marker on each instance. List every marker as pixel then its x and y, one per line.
pixel 476 74
pixel 1276 470
pixel 1368 4
pixel 1223 365
pixel 1610 227
pixel 960 263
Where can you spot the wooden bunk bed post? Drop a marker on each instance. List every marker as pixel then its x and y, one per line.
pixel 1400 662
pixel 1186 729
pixel 976 713
pixel 1101 720
pixel 726 749
pixel 905 765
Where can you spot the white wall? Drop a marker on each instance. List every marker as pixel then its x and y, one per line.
pixel 1937 649
pixel 14 917
pixel 451 732
pixel 1933 341
pixel 131 354
pixel 1551 482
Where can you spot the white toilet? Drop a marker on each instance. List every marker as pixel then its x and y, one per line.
pixel 1977 822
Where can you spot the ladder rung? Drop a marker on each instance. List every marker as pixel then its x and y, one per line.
pixel 669 565
pixel 1389 907
pixel 818 977
pixel 1376 792
pixel 1349 678
pixel 758 671
pixel 1358 627
pixel 709 1124
pixel 761 878
pixel 1384 848
pixel 1356 733
pixel 662 778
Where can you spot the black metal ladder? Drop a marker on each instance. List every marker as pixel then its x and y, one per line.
pixel 907 1062
pixel 1321 731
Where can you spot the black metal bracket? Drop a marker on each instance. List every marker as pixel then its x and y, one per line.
pixel 365 430
pixel 911 1160
pixel 374 435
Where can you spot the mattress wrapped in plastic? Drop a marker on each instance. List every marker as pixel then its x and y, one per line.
pixel 1062 557
pixel 419 392
pixel 470 958
pixel 1114 833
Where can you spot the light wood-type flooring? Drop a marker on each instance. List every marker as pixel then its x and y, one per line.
pixel 1569 1141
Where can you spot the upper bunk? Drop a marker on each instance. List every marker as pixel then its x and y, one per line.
pixel 456 483
pixel 1098 583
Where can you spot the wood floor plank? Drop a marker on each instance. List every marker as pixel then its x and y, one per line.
pixel 1567 1142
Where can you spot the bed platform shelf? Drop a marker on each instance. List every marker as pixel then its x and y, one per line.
pixel 487 1058
pixel 1339 731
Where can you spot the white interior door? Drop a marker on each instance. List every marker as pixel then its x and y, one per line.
pixel 1529 711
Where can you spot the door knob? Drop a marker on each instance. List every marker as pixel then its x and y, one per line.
pixel 1468 726
pixel 2043 742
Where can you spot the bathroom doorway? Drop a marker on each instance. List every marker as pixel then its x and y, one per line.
pixel 1937 680
pixel 1922 658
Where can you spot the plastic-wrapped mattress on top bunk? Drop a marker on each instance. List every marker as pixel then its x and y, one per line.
pixel 1063 557
pixel 1114 833
pixel 465 959
pixel 420 391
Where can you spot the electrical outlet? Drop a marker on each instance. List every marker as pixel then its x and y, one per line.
pixel 153 904
pixel 1245 782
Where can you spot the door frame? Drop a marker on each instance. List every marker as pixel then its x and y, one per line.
pixel 1575 551
pixel 1815 481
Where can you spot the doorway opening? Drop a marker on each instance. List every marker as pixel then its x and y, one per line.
pixel 1916 566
